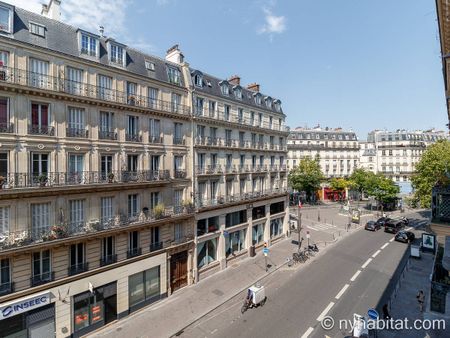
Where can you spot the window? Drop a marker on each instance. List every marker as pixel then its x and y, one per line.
pixel 131 93
pixel 207 252
pixel 178 133
pixel 155 239
pixel 76 123
pixel 149 65
pixel 117 55
pixel 153 97
pixel 212 108
pixel 198 80
pixel 225 89
pixel 213 190
pixel 207 225
pixel 106 209
pixel 5 274
pixel 74 79
pixel 40 219
pixel 242 186
pixel 276 208
pixel 75 165
pixel 132 128
pixel 235 242
pixel 41 266
pixel 260 119
pixel 155 131
pixel 178 162
pixel 155 162
pixel 88 309
pixel 252 118
pixel 133 244
pixel 258 99
pixel 37 29
pixel 238 93
pixel 144 286
pixel 176 101
pixel 240 115
pixel 106 130
pixel 108 250
pixel 268 102
pixel 77 258
pixel 132 163
pixel 199 106
pixel 178 197
pixel 178 232
pixel 235 218
pixel 276 227
pixel 39 74
pixel 5 19
pixel 105 87
pixel 4 115
pixel 258 234
pixel 4 221
pixel 259 212
pixel 88 45
pixel 227 110
pixel 133 205
pixel 39 164
pixel 174 75
pixel 154 199
pixel 76 214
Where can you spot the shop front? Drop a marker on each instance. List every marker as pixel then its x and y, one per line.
pixel 92 310
pixel 29 317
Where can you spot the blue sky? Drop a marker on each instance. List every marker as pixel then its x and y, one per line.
pixel 359 64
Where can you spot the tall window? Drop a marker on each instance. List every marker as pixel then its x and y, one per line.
pixel 178 230
pixel 76 213
pixel 132 128
pixel 260 119
pixel 252 118
pixel 117 54
pixel 4 114
pixel 41 265
pixel 5 274
pixel 199 105
pixel 154 199
pixel 242 186
pixel 133 205
pixel 225 89
pixel 201 160
pixel 198 80
pixel 152 97
pixel 155 130
pixel 178 162
pixel 106 166
pixel 132 163
pixel 76 167
pixel 155 162
pixel 207 252
pixel 235 242
pixel 174 75
pixel 131 93
pixel 40 118
pixel 105 87
pixel 212 108
pixel 39 74
pixel 4 58
pixel 178 197
pixel 106 209
pixel 39 164
pixel 213 190
pixel 240 115
pixel 108 250
pixel 74 79
pixel 4 221
pixel 77 258
pixel 76 122
pixel 107 125
pixel 144 286
pixel 40 219
pixel 88 45
pixel 238 93
pixel 133 243
pixel 176 101
pixel 227 111
pixel 5 19
pixel 178 133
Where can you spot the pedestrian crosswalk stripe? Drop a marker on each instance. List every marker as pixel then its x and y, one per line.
pixel 319 227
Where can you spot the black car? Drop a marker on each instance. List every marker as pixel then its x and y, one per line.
pixel 372 226
pixel 382 221
pixel 393 226
pixel 405 236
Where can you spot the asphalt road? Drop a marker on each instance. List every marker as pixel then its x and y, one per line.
pixel 297 298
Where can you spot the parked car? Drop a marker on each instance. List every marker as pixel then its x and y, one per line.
pixel 382 221
pixel 393 226
pixel 372 226
pixel 402 219
pixel 405 236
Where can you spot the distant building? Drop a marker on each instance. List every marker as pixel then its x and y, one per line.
pixel 336 149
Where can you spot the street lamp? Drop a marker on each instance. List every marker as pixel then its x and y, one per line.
pixel 299 225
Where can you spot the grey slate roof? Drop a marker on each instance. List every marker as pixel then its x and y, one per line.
pixel 312 135
pixel 63 38
pixel 247 95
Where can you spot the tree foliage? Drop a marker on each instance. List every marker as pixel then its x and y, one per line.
pixel 307 176
pixel 359 179
pixel 432 169
pixel 339 184
pixel 381 188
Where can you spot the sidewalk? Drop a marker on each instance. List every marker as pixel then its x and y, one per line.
pixel 169 316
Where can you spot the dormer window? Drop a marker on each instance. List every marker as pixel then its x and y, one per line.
pixel 225 89
pixel 5 19
pixel 89 45
pixel 238 93
pixel 149 65
pixel 258 99
pixel 174 75
pixel 198 80
pixel 268 102
pixel 277 104
pixel 117 54
pixel 37 29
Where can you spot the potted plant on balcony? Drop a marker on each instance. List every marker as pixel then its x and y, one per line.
pixel 59 231
pixel 110 177
pixel 159 210
pixel 42 179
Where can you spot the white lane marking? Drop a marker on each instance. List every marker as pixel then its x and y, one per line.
pixel 392 239
pixel 308 332
pixel 376 253
pixel 385 245
pixel 342 291
pixel 366 263
pixel 355 275
pixel 324 312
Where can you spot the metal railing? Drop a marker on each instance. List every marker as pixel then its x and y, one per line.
pixel 35 129
pixel 180 173
pixel 156 246
pixel 76 132
pixel 57 84
pixel 108 259
pixel 42 278
pixel 6 288
pixel 134 252
pixel 133 137
pixel 78 268
pixel 179 141
pixel 6 127
pixel 107 135
pixel 155 139
pixel 54 179
pixel 233 198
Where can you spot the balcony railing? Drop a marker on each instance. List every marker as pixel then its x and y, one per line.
pixel 56 84
pixel 55 179
pixel 42 278
pixel 78 268
pixel 179 141
pixel 155 139
pixel 23 238
pixel 6 288
pixel 41 130
pixel 6 127
pixel 107 135
pixel 108 259
pixel 180 173
pixel 233 198
pixel 76 132
pixel 133 137
pixel 134 252
pixel 156 246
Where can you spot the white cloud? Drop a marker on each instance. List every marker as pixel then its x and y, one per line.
pixel 274 23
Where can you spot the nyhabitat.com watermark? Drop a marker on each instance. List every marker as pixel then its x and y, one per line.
pixel 329 323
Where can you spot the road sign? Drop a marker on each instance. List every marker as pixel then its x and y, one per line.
pixel 265 251
pixel 373 314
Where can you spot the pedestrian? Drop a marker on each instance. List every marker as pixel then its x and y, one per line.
pixel 421 299
pixel 386 314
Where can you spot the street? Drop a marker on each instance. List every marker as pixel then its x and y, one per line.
pixel 348 277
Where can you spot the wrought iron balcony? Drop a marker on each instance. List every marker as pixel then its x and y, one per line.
pixel 76 132
pixel 35 129
pixel 6 288
pixel 180 173
pixel 28 79
pixel 133 137
pixel 230 169
pixel 179 141
pixel 78 268
pixel 107 135
pixel 156 246
pixel 6 127
pixel 233 198
pixel 42 278
pixel 108 259
pixel 155 139
pixel 134 252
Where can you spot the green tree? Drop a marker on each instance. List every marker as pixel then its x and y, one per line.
pixel 359 180
pixel 339 184
pixel 383 189
pixel 432 169
pixel 307 176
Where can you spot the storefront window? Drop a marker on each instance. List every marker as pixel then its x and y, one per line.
pixel 207 225
pixel 235 242
pixel 136 288
pixel 88 309
pixel 258 234
pixel 152 283
pixel 207 252
pixel 144 286
pixel 276 227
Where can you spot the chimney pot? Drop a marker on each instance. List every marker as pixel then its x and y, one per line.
pixel 254 87
pixel 235 79
pixel 52 10
pixel 175 55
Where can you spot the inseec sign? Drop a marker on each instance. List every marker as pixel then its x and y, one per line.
pixel 24 305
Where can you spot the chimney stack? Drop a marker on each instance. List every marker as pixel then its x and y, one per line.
pixel 52 10
pixel 101 30
pixel 254 87
pixel 175 55
pixel 235 79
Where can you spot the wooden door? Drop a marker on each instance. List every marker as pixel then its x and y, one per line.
pixel 178 270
